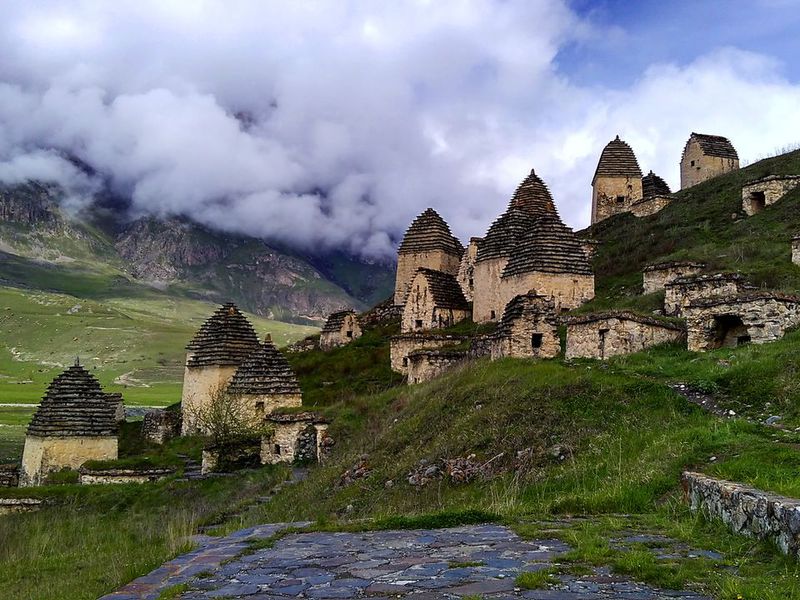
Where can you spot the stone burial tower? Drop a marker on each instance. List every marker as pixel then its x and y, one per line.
pixel 75 422
pixel 706 156
pixel 428 244
pixel 265 382
pixel 221 345
pixel 617 181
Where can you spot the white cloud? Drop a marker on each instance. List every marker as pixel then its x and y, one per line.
pixel 358 114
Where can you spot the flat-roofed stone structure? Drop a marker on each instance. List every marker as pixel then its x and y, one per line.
pixel 750 317
pixel 528 247
pixel 340 329
pixel 682 291
pixel 424 365
pixel 295 437
pixel 655 277
pixel 466 271
pixel 265 382
pixel 75 422
pixel 400 346
pixel 757 195
pixel 607 334
pixel 427 243
pixel 434 301
pixel 528 329
pixel 221 345
pixel 655 196
pixel 706 156
pixel 617 181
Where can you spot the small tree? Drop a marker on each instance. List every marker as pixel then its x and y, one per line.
pixel 225 419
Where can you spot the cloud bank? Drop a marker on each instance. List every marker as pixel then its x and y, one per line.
pixel 332 124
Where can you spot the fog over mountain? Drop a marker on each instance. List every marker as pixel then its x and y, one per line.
pixel 331 124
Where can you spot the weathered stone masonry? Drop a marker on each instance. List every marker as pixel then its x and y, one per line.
pixel 617 181
pixel 706 156
pixel 757 195
pixel 340 329
pixel 402 345
pixel 528 329
pixel 603 335
pixel 434 301
pixel 681 292
pixel 757 317
pixel 655 277
pixel 746 510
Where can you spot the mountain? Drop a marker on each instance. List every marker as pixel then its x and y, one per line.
pixel 41 231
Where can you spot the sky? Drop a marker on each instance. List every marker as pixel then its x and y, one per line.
pixel 331 124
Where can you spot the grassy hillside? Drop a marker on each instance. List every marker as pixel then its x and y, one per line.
pixel 704 223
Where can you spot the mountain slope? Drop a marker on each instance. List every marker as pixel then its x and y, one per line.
pixel 177 256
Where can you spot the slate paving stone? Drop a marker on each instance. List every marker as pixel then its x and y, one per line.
pixel 412 564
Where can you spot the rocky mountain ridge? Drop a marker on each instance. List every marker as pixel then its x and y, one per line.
pixel 179 256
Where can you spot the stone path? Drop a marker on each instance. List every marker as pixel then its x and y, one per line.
pixel 473 561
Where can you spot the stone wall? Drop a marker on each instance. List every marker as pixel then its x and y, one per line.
pixel 568 290
pixel 9 475
pixel 42 456
pixel 424 365
pixel 746 510
pixel 226 458
pixel 680 292
pixel 288 442
pixel 796 250
pixel 604 335
pixel 535 337
pixel 655 277
pixel 696 167
pixel 349 331
pixel 160 426
pixel 407 265
pixel 199 385
pixel 755 318
pixel 116 476
pixel 757 195
pixel 400 346
pixel 382 314
pixel 614 195
pixel 487 303
pixel 650 206
pixel 421 313
pixel 10 506
pixel 466 270
pixel 256 406
pixel 304 345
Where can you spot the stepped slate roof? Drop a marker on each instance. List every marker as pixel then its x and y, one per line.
pixel 74 405
pixel 623 315
pixel 617 160
pixel 653 185
pixel 533 196
pixel 445 289
pixel 265 371
pixel 226 338
pixel 428 232
pixel 530 200
pixel 713 145
pixel 336 320
pixel 548 246
pixel 519 305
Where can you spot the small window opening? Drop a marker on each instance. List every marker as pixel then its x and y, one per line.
pixel 471 282
pixel 405 361
pixel 418 323
pixel 277 449
pixel 620 199
pixel 260 406
pixel 536 340
pixel 692 163
pixel 349 334
pixel 492 315
pixel 603 333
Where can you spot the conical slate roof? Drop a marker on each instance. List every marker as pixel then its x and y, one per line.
pixel 336 320
pixel 548 246
pixel 226 338
pixel 428 232
pixel 265 371
pixel 713 145
pixel 617 160
pixel 531 199
pixel 653 185
pixel 445 290
pixel 533 196
pixel 74 405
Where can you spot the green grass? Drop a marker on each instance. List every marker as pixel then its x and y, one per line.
pixel 13 422
pixel 537 580
pixel 93 539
